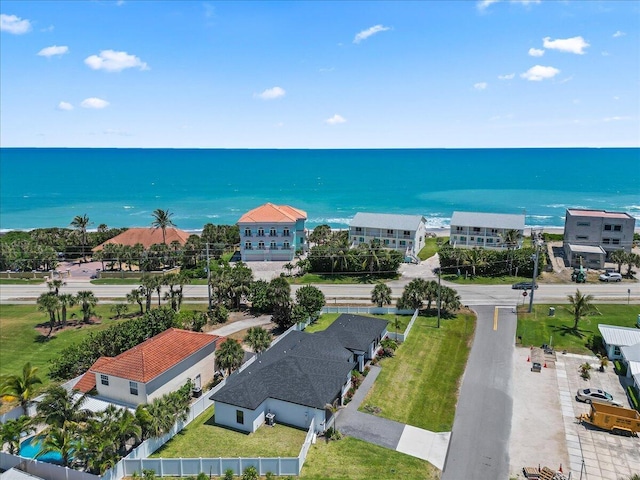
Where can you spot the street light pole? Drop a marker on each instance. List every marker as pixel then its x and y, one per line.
pixel 439 275
pixel 535 275
pixel 208 280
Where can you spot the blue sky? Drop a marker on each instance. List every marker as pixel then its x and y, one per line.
pixel 490 73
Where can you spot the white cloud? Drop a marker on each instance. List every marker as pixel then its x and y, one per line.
pixel 50 28
pixel 480 85
pixel 14 24
pixel 536 52
pixel 484 4
pixel 94 102
pixel 335 120
pixel 539 72
pixel 616 119
pixel 571 45
pixel 119 3
pixel 364 34
pixel 53 50
pixel 508 76
pixel 605 53
pixel 271 93
pixel 619 34
pixel 65 106
pixel 113 61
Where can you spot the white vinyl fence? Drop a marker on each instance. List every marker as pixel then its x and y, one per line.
pixel 399 337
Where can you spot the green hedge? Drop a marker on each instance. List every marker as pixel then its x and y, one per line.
pixel 621 368
pixel 634 396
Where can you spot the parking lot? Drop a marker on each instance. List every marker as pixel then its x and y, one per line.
pixel 545 431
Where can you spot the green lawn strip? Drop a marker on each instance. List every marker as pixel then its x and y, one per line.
pixel 327 319
pixel 339 279
pixel 201 438
pixel 419 386
pixel 484 280
pixel 21 281
pixel 537 328
pixel 116 281
pixel 21 342
pixel 431 246
pixel 355 459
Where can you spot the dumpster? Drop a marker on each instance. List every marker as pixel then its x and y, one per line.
pixel 620 420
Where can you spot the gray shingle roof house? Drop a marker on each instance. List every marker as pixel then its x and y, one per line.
pixel 475 229
pixel 299 375
pixel 406 233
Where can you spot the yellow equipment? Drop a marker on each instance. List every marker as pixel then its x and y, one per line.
pixel 622 421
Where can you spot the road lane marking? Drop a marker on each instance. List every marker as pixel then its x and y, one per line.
pixel 495 318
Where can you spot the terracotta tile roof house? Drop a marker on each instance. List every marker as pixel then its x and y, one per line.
pixel 297 376
pixel 146 236
pixel 272 232
pixel 155 367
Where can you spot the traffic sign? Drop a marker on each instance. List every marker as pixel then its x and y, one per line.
pixel 524 294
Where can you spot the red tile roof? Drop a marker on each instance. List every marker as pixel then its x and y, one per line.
pixel 270 213
pixel 146 236
pixel 88 380
pixel 146 361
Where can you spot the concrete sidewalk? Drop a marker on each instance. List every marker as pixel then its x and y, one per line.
pixel 241 325
pixel 407 439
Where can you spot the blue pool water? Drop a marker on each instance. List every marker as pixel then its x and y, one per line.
pixel 30 448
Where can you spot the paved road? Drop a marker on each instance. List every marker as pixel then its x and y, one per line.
pixel 470 294
pixel 478 448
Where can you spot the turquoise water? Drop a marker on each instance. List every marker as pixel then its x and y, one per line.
pixel 121 187
pixel 30 448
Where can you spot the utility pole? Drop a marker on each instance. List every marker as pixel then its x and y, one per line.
pixel 535 275
pixel 208 280
pixel 439 275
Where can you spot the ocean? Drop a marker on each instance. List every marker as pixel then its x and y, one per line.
pixel 48 187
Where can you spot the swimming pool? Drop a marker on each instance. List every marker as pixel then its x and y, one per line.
pixel 30 448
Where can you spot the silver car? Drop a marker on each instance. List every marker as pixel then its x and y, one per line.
pixel 589 395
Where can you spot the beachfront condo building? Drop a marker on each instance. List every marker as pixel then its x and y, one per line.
pixel 591 235
pixel 405 233
pixel 486 230
pixel 272 233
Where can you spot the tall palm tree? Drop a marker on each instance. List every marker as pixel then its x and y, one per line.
pixel 229 356
pixel 162 220
pixel 334 408
pixel 11 432
pixel 59 440
pixel 21 386
pixel 61 408
pixel 147 287
pixel 511 238
pixel 136 296
pixel 49 302
pixel 66 300
pixel 55 285
pixel 80 223
pixel 381 295
pixel 258 339
pixel 87 300
pixel 477 258
pixel 580 306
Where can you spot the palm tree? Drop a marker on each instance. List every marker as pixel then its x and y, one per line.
pixel 66 300
pixel 49 302
pixel 477 257
pixel 162 220
pixel 62 409
pixel 288 267
pixel 381 295
pixel 11 432
pixel 229 356
pixel 55 285
pixel 334 408
pixel 258 339
pixel 21 386
pixel 80 223
pixel 147 287
pixel 136 296
pixel 580 306
pixel 59 440
pixel 619 257
pixel 511 238
pixel 87 300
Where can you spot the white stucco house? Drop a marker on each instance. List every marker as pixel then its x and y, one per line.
pixel 405 233
pixel 299 375
pixel 631 358
pixel 614 338
pixel 158 366
pixel 486 230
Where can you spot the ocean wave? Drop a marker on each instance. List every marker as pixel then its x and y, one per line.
pixel 542 217
pixel 128 207
pixel 631 207
pixel 438 222
pixel 212 216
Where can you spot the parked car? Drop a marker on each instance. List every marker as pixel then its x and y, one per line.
pixel 523 286
pixel 590 395
pixel 610 277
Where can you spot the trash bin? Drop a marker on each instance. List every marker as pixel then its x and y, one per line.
pixel 552 311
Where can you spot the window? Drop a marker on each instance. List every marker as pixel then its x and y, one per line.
pixel 582 237
pixel 402 243
pixel 286 232
pixel 286 246
pixel 104 380
pixel 386 241
pixel 608 227
pixel 479 240
pixel 133 388
pixel 489 240
pixel 476 229
pixel 247 232
pixel 615 241
pixel 463 239
pixel 616 351
pixel 247 246
pixel 261 232
pixel 617 228
pixel 389 232
pixel 606 241
pixel 583 224
pixel 260 245
pixel 407 233
pixel 472 239
pixel 273 246
pixel 358 229
pixel 240 417
pixel 361 239
pixel 272 232
pixel 459 229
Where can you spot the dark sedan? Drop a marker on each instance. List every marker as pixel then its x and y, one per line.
pixel 523 286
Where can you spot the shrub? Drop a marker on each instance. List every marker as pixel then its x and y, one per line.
pixel 367 369
pixel 389 343
pixel 219 314
pixel 387 352
pixel 594 343
pixel 620 368
pixel 250 473
pixel 333 434
pixel 202 476
pixel 584 371
pixel 228 474
pixel 372 409
pixel 269 476
pixel 634 396
pixel 356 378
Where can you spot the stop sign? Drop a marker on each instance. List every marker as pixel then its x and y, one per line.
pixel 524 294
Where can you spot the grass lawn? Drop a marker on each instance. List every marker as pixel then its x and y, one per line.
pixel 431 246
pixel 354 459
pixel 327 319
pixel 21 281
pixel 419 386
pixel 537 327
pixel 339 279
pixel 20 342
pixel 485 280
pixel 201 438
pixel 116 281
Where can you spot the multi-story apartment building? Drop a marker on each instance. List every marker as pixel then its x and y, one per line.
pixel 486 230
pixel 405 233
pixel 610 231
pixel 272 232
